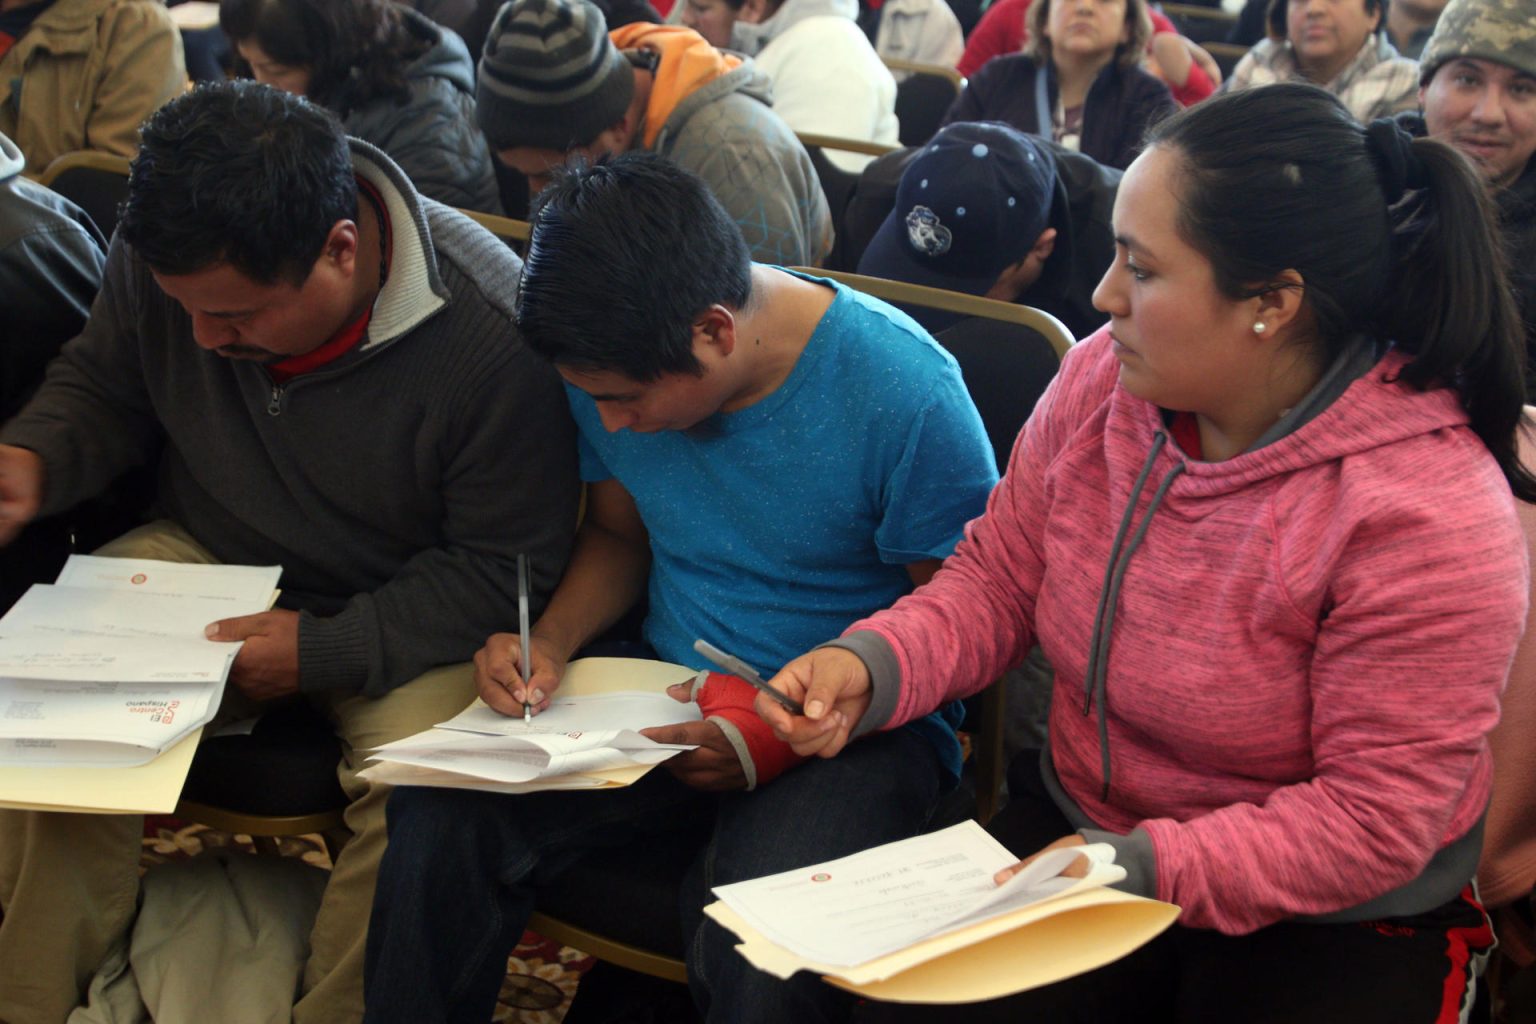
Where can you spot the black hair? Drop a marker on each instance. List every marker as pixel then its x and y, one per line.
pixel 1279 29
pixel 355 51
pixel 1283 178
pixel 240 173
pixel 624 256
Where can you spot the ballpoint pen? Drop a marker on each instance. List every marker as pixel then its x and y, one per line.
pixel 737 667
pixel 522 635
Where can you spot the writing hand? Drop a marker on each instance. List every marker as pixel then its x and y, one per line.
pixel 268 664
pixel 21 489
pixel 833 686
pixel 498 673
pixel 1077 869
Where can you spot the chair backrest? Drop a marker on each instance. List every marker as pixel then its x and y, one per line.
pixel 515 233
pixel 901 293
pixel 837 184
pixel 1226 55
pixel 95 182
pixel 1508 869
pixel 1200 24
pixel 1006 367
pixel 923 95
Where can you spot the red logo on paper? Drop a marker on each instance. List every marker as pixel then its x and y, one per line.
pixel 821 876
pixel 138 577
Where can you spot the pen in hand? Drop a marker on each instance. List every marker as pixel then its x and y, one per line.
pixel 522 636
pixel 742 670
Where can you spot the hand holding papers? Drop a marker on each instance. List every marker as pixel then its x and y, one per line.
pixel 109 666
pixel 587 738
pixel 888 922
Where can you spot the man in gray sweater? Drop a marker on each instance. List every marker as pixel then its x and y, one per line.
pixel 325 366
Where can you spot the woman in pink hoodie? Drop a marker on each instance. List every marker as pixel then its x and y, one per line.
pixel 1262 525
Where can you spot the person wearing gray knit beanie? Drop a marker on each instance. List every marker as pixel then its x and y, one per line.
pixel 550 78
pixel 555 85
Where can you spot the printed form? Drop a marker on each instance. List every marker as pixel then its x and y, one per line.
pixel 859 908
pixel 587 738
pixel 110 666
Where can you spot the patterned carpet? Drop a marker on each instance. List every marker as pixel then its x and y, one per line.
pixel 541 975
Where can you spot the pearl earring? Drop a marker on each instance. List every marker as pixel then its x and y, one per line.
pixel 1258 327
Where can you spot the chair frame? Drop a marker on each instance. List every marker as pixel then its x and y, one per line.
pixel 513 232
pixel 918 68
pixel 265 829
pixel 1053 329
pixel 87 159
pixel 620 954
pixel 864 146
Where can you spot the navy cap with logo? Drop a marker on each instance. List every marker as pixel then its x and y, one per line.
pixel 969 206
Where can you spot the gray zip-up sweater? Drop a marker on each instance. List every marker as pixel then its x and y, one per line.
pixel 395 486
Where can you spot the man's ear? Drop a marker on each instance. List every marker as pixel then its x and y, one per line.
pixel 1044 246
pixel 716 328
pixel 617 138
pixel 340 248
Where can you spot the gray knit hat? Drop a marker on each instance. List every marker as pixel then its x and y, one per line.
pixel 1503 31
pixel 550 77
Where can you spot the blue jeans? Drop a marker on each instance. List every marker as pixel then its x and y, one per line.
pixel 462 871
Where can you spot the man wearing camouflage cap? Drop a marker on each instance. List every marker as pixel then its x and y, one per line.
pixel 1477 91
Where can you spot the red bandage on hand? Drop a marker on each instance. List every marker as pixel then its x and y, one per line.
pixel 727 701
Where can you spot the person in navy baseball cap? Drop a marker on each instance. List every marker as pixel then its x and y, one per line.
pixel 973 214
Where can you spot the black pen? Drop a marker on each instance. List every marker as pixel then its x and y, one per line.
pixel 737 667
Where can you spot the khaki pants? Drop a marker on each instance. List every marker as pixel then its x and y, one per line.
pixel 69 882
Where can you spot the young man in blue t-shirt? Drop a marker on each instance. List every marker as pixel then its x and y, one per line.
pixel 778 456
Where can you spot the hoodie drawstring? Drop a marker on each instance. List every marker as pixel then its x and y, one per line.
pixel 1096 677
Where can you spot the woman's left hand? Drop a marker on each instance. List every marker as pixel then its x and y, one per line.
pixel 1077 869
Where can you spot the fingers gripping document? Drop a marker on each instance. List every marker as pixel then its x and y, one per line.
pixel 920 920
pixel 109 666
pixel 587 738
pixel 106 679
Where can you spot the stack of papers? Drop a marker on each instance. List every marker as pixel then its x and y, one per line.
pixel 588 738
pixel 921 921
pixel 108 667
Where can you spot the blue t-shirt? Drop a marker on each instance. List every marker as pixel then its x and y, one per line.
pixel 774 527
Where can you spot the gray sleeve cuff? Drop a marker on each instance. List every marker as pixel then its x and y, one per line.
pixel 1134 853
pixel 879 659
pixel 738 744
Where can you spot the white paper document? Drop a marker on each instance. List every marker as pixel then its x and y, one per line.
pixel 523 758
pixel 919 921
pixel 872 903
pixel 579 713
pixel 110 667
pixel 588 736
pixel 246 588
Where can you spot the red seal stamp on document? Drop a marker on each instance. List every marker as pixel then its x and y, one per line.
pixel 138 577
pixel 821 876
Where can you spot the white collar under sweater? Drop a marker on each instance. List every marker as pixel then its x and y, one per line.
pixel 413 291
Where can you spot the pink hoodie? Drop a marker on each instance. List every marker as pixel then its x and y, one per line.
pixel 1306 652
